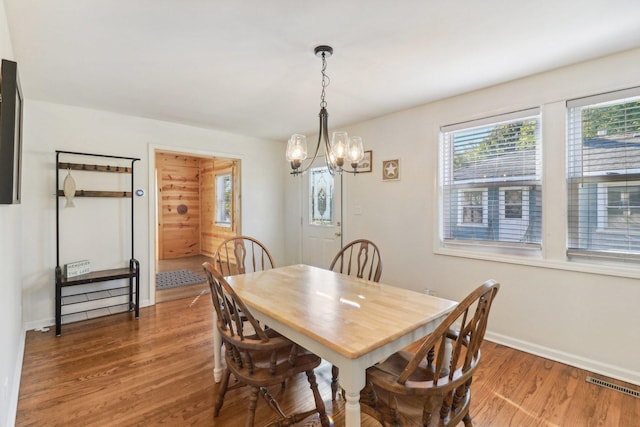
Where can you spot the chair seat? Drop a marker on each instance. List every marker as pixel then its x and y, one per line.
pixel 395 364
pixel 262 374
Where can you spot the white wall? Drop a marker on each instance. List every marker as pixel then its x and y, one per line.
pixel 11 336
pixel 586 316
pixel 57 127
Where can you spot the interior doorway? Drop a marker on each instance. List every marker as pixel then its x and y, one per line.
pixel 198 206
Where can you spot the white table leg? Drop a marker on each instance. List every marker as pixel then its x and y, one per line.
pixel 352 409
pixel 217 350
pixel 352 379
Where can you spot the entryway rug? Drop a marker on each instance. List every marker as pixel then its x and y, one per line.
pixel 173 279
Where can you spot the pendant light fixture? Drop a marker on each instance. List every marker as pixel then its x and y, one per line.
pixel 342 148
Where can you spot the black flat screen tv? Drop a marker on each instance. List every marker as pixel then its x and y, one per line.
pixel 10 133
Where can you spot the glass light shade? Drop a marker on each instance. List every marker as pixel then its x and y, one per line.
pixel 339 147
pixel 355 150
pixel 297 148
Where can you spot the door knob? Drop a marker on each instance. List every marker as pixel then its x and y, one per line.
pixel 338 234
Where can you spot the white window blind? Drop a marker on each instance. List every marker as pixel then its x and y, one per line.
pixel 490 176
pixel 603 147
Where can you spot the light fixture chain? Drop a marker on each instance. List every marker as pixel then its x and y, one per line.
pixel 325 82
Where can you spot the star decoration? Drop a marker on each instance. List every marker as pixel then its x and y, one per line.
pixel 391 169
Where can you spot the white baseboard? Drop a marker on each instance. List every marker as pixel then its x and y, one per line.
pixel 594 366
pixel 15 390
pixel 37 324
pixel 51 322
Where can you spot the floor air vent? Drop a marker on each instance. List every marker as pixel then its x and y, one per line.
pixel 606 384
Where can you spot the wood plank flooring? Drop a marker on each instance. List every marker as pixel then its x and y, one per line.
pixel 118 371
pixel 192 263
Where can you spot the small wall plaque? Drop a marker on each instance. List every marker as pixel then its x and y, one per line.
pixel 391 170
pixel 77 268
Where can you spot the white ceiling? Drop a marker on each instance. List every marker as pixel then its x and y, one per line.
pixel 247 66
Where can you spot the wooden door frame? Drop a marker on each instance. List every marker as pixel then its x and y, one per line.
pixel 153 201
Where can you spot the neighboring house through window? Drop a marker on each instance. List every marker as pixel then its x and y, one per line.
pixel 490 176
pixel 603 146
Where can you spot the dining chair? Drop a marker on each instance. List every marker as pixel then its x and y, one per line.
pixel 360 258
pixel 258 357
pixel 435 374
pixel 240 255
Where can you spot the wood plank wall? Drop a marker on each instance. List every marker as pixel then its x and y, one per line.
pixel 190 181
pixel 179 184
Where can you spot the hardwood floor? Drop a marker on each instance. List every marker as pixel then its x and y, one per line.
pixel 118 371
pixel 191 263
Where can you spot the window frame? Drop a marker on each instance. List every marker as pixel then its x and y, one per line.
pixel 529 180
pixel 585 242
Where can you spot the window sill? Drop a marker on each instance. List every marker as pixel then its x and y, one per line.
pixel 534 258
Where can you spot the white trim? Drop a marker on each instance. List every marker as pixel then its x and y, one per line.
pixel 570 359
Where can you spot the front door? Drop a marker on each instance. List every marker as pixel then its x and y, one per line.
pixel 514 213
pixel 321 215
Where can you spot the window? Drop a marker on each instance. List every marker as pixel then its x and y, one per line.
pixel 603 173
pixel 321 196
pixel 224 199
pixel 618 206
pixel 490 175
pixel 512 200
pixel 472 207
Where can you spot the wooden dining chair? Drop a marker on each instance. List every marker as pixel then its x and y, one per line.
pixel 360 258
pixel 435 374
pixel 258 357
pixel 240 255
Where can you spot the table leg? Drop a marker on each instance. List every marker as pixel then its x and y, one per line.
pixel 352 379
pixel 352 408
pixel 217 350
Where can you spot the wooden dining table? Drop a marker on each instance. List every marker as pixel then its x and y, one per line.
pixel 352 323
